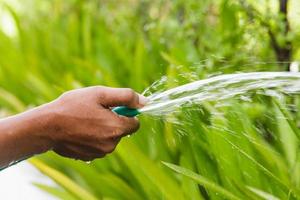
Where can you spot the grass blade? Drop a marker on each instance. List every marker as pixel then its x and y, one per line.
pixel 262 194
pixel 63 180
pixel 202 181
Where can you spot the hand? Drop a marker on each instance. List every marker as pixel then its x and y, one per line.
pixel 79 124
pixel 83 126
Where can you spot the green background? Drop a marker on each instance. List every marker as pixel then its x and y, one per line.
pixel 249 151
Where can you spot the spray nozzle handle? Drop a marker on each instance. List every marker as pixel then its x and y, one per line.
pixel 125 111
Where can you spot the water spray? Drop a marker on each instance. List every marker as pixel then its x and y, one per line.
pixel 215 88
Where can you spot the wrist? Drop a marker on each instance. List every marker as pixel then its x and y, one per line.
pixel 24 135
pixel 41 123
pixel 31 130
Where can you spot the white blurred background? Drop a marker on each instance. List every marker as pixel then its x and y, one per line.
pixel 16 183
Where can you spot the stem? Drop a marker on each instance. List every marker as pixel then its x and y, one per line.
pixel 283 53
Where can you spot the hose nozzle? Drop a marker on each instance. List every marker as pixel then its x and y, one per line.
pixel 125 111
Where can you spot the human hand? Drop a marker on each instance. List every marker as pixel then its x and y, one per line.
pixel 82 125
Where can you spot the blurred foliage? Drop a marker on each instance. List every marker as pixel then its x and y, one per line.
pixel 247 151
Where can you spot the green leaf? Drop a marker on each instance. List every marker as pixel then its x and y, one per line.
pixel 57 192
pixel 150 174
pixel 262 194
pixel 288 137
pixel 63 180
pixel 12 100
pixel 202 181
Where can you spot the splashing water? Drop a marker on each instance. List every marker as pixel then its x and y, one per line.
pixel 219 88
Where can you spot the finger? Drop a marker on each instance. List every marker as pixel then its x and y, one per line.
pixel 118 125
pixel 129 125
pixel 77 152
pixel 111 97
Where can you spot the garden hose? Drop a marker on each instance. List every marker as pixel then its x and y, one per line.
pixel 125 111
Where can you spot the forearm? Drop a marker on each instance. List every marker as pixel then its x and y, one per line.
pixel 22 136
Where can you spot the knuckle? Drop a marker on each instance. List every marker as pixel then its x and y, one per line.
pixel 130 93
pixel 103 149
pixel 98 88
pixel 117 132
pixel 65 95
pixel 111 149
pixel 133 125
pixel 101 155
pixel 127 126
pixel 99 91
pixel 136 126
pixel 133 129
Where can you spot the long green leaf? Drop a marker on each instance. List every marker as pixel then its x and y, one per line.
pixel 63 180
pixel 202 181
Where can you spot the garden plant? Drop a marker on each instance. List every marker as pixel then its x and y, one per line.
pixel 239 148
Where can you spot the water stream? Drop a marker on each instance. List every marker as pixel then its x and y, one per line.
pixel 221 87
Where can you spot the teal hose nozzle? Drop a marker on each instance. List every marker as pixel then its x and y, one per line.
pixel 125 111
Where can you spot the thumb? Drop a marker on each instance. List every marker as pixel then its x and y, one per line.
pixel 112 97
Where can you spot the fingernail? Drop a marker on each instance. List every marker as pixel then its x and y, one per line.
pixel 142 100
